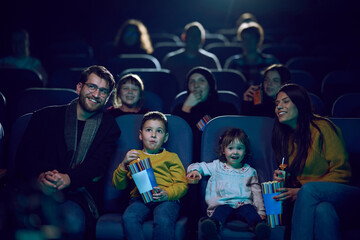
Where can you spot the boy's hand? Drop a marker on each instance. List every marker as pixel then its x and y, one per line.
pixel 194 174
pixel 160 195
pixel 263 217
pixel 130 156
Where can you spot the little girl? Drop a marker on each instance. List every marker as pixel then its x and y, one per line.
pixel 233 190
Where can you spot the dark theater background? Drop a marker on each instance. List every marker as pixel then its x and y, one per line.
pixel 319 21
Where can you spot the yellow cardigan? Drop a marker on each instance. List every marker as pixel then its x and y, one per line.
pixel 329 165
pixel 169 173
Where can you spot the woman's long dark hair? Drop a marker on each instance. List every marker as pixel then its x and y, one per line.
pixel 300 136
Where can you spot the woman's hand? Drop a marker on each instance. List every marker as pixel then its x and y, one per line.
pixel 276 176
pixel 249 93
pixel 286 193
pixel 130 156
pixel 191 101
pixel 194 174
pixel 160 195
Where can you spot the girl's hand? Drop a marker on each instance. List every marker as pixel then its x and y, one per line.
pixel 286 193
pixel 130 156
pixel 249 93
pixel 276 175
pixel 263 217
pixel 194 174
pixel 160 195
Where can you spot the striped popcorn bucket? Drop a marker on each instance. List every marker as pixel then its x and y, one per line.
pixel 273 208
pixel 144 178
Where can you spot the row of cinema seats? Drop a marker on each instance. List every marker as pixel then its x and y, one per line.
pixel 109 225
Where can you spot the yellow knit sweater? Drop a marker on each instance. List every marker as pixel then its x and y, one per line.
pixel 169 173
pixel 329 165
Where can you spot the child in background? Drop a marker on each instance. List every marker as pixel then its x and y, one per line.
pixel 170 176
pixel 128 96
pixel 233 190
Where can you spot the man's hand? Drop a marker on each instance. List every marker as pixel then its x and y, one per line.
pixel 51 181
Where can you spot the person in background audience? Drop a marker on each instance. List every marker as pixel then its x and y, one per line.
pixel 65 152
pixel 313 149
pixel 128 96
pixel 133 37
pixel 258 100
pixel 201 104
pixel 251 62
pixel 245 17
pixel 20 58
pixel 181 61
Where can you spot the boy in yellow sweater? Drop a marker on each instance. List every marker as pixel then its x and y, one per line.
pixel 170 176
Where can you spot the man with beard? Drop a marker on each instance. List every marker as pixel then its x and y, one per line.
pixel 66 149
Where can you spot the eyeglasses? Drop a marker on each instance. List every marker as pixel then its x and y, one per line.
pixel 93 88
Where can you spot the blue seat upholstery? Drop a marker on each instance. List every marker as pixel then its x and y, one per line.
pixel 214 38
pixel 316 66
pixel 305 79
pixel 14 80
pixel 65 78
pixel 33 99
pixel 17 131
pixel 224 50
pixel 317 104
pixel 1 147
pixel 2 108
pixel 161 49
pixel 153 101
pixel 347 105
pixel 118 64
pixel 230 80
pixel 159 81
pixel 337 83
pixel 180 140
pixel 351 132
pixel 69 60
pixel 259 130
pixel 164 37
pixel 282 51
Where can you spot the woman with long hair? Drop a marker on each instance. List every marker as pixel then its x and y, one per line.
pixel 313 149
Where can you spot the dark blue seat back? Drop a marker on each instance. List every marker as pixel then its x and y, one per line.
pixel 159 81
pixel 347 105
